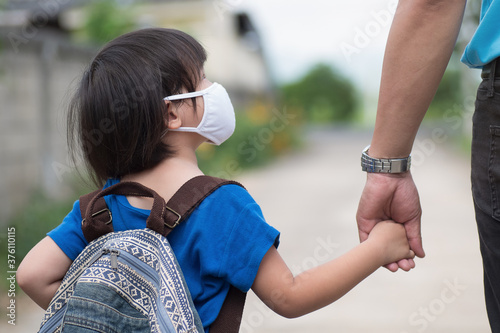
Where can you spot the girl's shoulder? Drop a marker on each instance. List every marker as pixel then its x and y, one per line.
pixel 230 197
pixel 68 235
pixel 238 192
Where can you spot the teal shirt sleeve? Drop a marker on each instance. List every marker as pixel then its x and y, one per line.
pixel 484 45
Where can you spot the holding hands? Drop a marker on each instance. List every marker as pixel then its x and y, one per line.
pixel 391 197
pixel 388 239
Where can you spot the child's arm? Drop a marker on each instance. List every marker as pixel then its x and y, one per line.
pixel 292 296
pixel 42 270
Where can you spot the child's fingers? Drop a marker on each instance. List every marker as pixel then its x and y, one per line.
pixel 393 267
pixel 406 264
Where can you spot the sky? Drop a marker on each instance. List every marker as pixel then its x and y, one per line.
pixel 296 34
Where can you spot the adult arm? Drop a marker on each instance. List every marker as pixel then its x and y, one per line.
pixel 42 270
pixel 420 43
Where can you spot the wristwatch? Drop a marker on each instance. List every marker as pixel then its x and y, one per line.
pixel 384 165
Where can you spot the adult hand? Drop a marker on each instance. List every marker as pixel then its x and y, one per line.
pixel 392 197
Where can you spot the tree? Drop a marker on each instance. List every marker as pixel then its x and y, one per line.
pixel 106 20
pixel 323 95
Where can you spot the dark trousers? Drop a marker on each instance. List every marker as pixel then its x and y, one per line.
pixel 485 178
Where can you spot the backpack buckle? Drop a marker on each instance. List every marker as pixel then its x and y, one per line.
pixel 176 222
pixel 100 212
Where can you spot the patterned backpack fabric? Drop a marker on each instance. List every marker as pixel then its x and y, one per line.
pixel 130 281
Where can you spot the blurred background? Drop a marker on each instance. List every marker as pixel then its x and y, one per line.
pixel 304 78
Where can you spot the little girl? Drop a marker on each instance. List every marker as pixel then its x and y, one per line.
pixel 140 112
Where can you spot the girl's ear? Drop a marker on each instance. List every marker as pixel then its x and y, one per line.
pixel 172 119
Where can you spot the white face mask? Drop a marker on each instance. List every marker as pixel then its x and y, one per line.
pixel 218 122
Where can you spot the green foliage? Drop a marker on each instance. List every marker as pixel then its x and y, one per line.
pixel 262 133
pixel 322 95
pixel 448 95
pixel 107 20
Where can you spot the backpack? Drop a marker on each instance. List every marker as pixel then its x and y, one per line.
pixel 130 281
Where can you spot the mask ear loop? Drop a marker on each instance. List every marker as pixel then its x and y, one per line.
pixel 190 94
pixel 173 100
pixel 165 131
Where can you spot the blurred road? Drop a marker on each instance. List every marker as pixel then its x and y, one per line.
pixel 311 196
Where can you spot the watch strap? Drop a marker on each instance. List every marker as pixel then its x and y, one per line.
pixel 384 165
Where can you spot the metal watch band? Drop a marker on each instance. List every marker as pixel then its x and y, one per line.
pixel 384 165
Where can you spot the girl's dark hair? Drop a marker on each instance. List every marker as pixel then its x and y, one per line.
pixel 116 118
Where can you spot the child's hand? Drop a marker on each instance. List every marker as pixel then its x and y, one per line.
pixel 389 238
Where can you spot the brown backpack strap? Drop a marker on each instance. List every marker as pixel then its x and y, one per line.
pixel 97 221
pixel 229 318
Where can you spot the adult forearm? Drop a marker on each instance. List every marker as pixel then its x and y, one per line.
pixel 420 43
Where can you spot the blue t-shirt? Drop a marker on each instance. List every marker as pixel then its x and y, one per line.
pixel 485 44
pixel 221 243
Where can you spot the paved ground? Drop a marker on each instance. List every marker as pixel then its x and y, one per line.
pixel 312 196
